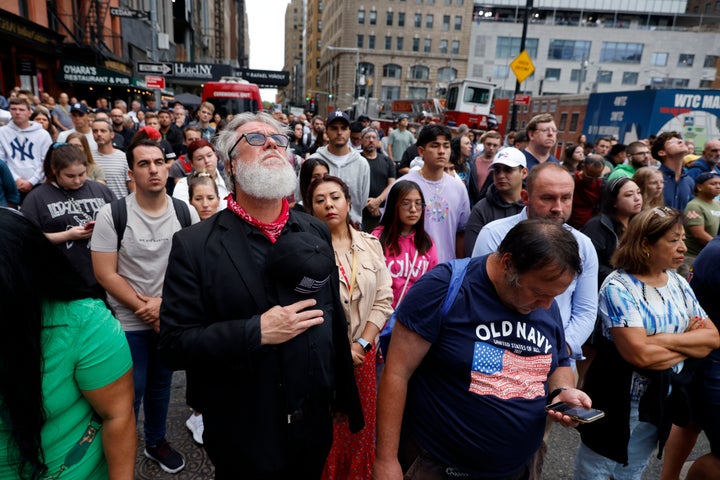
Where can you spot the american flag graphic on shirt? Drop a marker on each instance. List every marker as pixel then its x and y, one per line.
pixel 504 374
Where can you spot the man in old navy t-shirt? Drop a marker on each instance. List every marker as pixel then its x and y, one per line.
pixel 478 378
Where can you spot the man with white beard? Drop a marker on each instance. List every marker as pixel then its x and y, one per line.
pixel 252 311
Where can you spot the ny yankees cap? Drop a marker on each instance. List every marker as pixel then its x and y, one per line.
pixel 337 115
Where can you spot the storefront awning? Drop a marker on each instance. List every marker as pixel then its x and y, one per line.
pixel 73 72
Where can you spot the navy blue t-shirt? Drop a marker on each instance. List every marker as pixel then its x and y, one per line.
pixel 477 399
pixel 705 280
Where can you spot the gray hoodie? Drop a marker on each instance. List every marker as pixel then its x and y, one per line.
pixel 354 170
pixel 24 150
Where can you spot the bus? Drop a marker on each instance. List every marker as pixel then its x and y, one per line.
pixel 470 102
pixel 232 95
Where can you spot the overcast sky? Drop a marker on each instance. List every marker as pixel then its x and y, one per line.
pixel 266 22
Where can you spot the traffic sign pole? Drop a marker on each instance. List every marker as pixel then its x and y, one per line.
pixel 528 12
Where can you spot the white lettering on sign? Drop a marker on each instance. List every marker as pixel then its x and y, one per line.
pixel 617 116
pixel 620 101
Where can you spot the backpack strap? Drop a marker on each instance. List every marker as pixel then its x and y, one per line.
pixel 458 268
pixel 118 210
pixel 182 212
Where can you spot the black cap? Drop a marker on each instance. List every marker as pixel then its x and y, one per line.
pixel 300 265
pixel 705 176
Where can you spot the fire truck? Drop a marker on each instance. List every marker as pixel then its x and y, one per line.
pixel 470 102
pixel 232 95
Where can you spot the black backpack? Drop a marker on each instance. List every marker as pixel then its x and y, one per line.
pixel 118 210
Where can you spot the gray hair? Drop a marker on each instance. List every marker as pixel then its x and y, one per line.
pixel 228 137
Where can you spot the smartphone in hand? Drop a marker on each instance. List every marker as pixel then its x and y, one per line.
pixel 90 225
pixel 577 412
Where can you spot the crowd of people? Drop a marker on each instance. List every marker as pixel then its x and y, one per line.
pixel 267 254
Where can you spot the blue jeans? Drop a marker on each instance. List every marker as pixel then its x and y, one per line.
pixel 643 440
pixel 152 381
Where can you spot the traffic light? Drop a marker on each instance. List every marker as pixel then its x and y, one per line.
pixel 307 98
pixel 330 95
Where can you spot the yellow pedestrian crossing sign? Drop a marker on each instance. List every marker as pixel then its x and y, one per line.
pixel 522 66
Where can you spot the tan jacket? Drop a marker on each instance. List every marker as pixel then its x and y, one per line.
pixel 372 294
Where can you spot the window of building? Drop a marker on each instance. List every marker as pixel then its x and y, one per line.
pixel 543 106
pixel 575 74
pixel 360 41
pixel 443 46
pixel 458 22
pixel 417 92
pixel 686 60
pixel 361 17
pixel 418 20
pixel 446 74
pixel 390 93
pixel 319 44
pixel 401 19
pixel 707 8
pixel 553 106
pixel 446 23
pixel 388 42
pixel 630 78
pixel 621 52
pixel 371 42
pixel 392 70
pixel 459 2
pixel 604 76
pixel 389 19
pixel 500 71
pixel 448 2
pixel 509 47
pixel 659 59
pixel 400 43
pixel 429 19
pixel 373 17
pixel 319 26
pixel 705 84
pixel 563 122
pixel 419 72
pixel 455 47
pixel 416 45
pixel 574 122
pixel 427 45
pixel 577 50
pixel 552 74
pixel 710 61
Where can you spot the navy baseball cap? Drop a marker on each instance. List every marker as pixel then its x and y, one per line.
pixel 80 108
pixel 337 115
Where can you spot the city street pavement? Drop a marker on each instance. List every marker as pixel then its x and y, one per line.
pixel 558 464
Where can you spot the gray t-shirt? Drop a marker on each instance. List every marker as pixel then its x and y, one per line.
pixel 115 167
pixel 143 254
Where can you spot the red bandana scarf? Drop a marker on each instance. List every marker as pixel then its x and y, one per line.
pixel 270 230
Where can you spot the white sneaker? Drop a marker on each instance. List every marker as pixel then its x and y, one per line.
pixel 196 427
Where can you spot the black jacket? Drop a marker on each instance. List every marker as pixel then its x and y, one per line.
pixel 487 210
pixel 600 230
pixel 215 291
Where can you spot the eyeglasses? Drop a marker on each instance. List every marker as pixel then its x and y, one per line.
pixel 408 204
pixel 259 139
pixel 551 131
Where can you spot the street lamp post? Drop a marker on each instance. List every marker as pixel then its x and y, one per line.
pixel 354 50
pixel 583 69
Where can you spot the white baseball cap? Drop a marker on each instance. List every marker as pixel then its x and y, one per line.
pixel 510 156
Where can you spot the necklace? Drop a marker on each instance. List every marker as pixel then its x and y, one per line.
pixel 438 185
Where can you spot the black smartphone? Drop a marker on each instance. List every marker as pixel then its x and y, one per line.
pixel 577 412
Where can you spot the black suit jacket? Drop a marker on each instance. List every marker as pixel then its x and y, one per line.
pixel 214 294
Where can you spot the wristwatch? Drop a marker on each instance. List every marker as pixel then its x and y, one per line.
pixel 367 346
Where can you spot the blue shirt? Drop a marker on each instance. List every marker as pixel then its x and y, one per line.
pixel 677 194
pixel 578 304
pixel 476 400
pixel 8 189
pixel 705 280
pixel 532 161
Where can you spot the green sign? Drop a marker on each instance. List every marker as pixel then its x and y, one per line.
pixel 79 73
